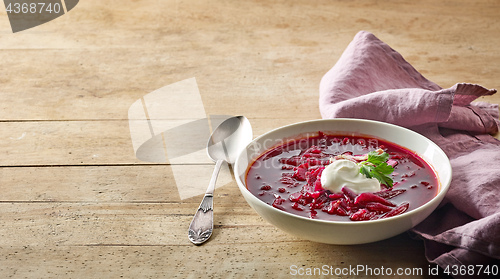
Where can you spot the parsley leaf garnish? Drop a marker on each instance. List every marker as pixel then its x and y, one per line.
pixel 376 167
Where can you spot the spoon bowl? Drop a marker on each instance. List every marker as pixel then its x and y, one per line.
pixel 224 145
pixel 229 138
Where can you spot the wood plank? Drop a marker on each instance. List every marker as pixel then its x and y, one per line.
pixel 149 184
pixel 89 184
pixel 249 260
pixel 80 224
pixel 85 142
pixel 100 94
pixel 65 143
pixel 96 92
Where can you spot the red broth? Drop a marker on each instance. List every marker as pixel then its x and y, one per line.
pixel 287 178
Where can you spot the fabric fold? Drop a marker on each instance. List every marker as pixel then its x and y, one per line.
pixel 431 106
pixel 373 81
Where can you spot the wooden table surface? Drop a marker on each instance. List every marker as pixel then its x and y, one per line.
pixel 75 201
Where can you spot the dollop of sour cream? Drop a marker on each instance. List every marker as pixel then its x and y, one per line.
pixel 342 173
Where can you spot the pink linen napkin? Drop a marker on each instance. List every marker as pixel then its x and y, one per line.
pixel 373 81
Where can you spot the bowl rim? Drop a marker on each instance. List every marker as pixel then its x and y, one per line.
pixel 443 187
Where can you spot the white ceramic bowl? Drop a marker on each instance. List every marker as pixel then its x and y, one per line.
pixel 341 232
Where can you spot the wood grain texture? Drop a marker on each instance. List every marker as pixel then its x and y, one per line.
pixel 75 201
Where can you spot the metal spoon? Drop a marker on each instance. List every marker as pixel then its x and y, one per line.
pixel 225 143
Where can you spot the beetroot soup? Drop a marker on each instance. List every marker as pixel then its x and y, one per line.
pixel 289 177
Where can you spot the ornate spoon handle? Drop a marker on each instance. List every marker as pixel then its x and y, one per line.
pixel 202 224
